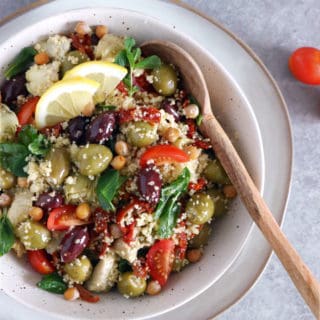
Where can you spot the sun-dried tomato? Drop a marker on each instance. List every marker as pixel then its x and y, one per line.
pixel 202 144
pixel 83 44
pixel 122 88
pixel 140 268
pixel 199 185
pixel 142 83
pixel 149 114
pixel 86 295
pixel 191 128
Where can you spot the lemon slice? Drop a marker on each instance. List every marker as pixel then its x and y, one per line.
pixel 106 73
pixel 65 100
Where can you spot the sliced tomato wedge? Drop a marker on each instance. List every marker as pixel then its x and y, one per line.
pixel 133 208
pixel 39 261
pixel 86 295
pixel 163 153
pixel 27 110
pixel 62 218
pixel 160 259
pixel 149 114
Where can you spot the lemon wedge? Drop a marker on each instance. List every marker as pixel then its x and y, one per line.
pixel 106 73
pixel 65 100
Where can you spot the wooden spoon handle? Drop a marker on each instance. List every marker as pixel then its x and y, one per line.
pixel 300 274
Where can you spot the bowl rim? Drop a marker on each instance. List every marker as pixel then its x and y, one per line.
pixel 284 107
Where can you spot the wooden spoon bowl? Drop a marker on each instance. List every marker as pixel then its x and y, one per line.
pixel 195 83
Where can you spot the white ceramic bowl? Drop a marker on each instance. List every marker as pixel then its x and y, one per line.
pixel 230 234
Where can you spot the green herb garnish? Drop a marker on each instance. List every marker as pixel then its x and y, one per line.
pixel 193 100
pixel 108 185
pixel 7 237
pixel 53 283
pixel 130 57
pixel 168 209
pixel 30 142
pixel 106 108
pixel 124 266
pixel 21 62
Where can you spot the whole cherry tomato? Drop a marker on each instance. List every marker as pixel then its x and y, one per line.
pixel 304 63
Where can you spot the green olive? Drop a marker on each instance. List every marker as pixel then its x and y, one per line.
pixel 7 179
pixel 221 203
pixel 200 208
pixel 79 188
pixel 165 80
pixel 141 134
pixel 202 238
pixel 92 159
pixel 215 173
pixel 59 164
pixel 72 59
pixel 33 235
pixel 131 285
pixel 79 270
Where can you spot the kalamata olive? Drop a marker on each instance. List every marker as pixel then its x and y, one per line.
pixel 13 88
pixel 94 39
pixel 77 129
pixel 170 108
pixel 149 184
pixel 73 243
pixel 49 200
pixel 100 129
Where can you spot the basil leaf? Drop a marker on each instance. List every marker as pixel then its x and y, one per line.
pixel 176 188
pixel 199 119
pixel 108 185
pixel 151 62
pixel 7 237
pixel 21 62
pixel 53 283
pixel 121 58
pixel 168 219
pixel 13 158
pixel 193 100
pixel 124 266
pixel 136 54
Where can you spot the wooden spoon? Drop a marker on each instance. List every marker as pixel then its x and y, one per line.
pixel 194 82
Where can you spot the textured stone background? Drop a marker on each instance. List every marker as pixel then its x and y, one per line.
pixel 273 29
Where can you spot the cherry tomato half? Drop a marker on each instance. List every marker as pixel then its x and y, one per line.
pixel 163 153
pixel 63 217
pixel 39 261
pixel 304 63
pixel 27 110
pixel 160 260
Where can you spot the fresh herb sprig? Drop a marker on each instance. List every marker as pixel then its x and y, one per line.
pixel 130 57
pixel 53 283
pixel 13 154
pixel 7 237
pixel 168 208
pixel 108 185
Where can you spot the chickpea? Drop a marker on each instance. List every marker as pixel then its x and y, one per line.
pixel 193 152
pixel 191 111
pixel 229 191
pixel 22 182
pixel 41 58
pixel 101 30
pixel 83 211
pixel 71 294
pixel 153 288
pixel 121 148
pixel 118 162
pixel 172 134
pixel 36 213
pixel 194 255
pixel 82 28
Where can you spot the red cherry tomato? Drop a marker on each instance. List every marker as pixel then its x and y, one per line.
pixel 160 259
pixel 163 153
pixel 148 114
pixel 39 261
pixel 304 63
pixel 63 217
pixel 27 110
